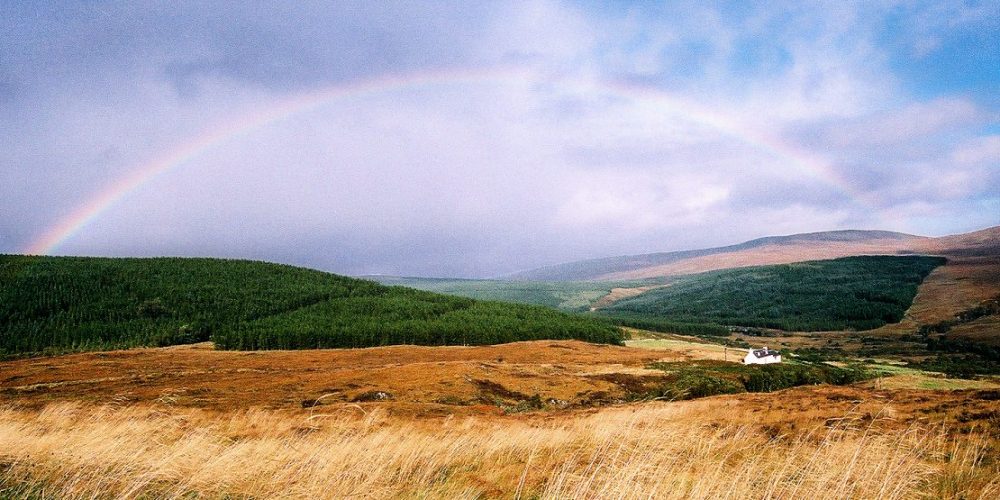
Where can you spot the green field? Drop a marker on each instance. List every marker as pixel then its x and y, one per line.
pixel 572 296
pixel 57 304
pixel 858 293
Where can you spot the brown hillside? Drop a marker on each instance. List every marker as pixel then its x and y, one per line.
pixel 772 254
pixel 971 275
pixel 976 244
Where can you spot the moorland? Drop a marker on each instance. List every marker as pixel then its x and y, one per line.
pixel 168 378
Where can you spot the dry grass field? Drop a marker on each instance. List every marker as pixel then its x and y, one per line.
pixel 962 283
pixel 191 421
pixel 807 442
pixel 417 380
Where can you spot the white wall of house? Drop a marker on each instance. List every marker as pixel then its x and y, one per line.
pixel 753 359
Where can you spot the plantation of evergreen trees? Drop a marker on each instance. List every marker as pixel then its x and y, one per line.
pixel 57 304
pixel 857 293
pixel 569 296
pixel 652 323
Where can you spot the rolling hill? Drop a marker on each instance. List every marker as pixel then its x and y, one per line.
pixel 82 303
pixel 859 293
pixel 970 276
pixel 768 250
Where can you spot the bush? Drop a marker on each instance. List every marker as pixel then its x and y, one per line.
pixel 687 380
pixel 153 309
pixel 691 384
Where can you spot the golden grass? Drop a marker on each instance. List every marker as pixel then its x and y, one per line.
pixel 690 350
pixel 663 450
pixel 198 376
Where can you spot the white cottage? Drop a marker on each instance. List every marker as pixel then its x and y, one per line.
pixel 763 356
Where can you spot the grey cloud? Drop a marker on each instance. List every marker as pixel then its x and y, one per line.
pixel 272 44
pixel 469 179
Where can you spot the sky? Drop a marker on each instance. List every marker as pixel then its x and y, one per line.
pixel 477 139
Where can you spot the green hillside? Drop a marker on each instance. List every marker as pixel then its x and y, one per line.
pixel 858 293
pixel 571 296
pixel 78 303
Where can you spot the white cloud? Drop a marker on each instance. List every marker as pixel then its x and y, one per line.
pixel 913 121
pixel 928 22
pixel 979 151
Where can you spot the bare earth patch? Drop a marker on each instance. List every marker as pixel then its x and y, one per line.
pixel 617 294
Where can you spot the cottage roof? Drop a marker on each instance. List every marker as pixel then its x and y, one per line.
pixel 765 352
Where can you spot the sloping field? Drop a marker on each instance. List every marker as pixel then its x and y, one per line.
pixel 768 255
pixel 971 274
pixel 977 244
pixel 761 251
pixel 985 242
pixel 958 285
pixel 772 250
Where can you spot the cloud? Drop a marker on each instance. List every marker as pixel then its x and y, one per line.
pixel 981 151
pixel 914 121
pixel 603 130
pixel 928 23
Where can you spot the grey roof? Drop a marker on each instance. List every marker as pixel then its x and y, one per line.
pixel 763 353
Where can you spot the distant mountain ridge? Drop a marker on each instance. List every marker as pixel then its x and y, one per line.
pixel 764 251
pixel 842 235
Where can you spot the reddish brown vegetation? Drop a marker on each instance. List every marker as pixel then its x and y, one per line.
pixel 419 379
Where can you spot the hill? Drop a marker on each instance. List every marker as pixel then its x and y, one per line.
pixel 848 293
pixel 769 250
pixel 982 243
pixel 81 303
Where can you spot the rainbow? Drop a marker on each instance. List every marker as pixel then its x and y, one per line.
pixel 65 228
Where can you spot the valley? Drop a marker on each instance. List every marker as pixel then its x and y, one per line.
pixel 520 250
pixel 169 378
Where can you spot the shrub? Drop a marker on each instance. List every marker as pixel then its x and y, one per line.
pixel 686 380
